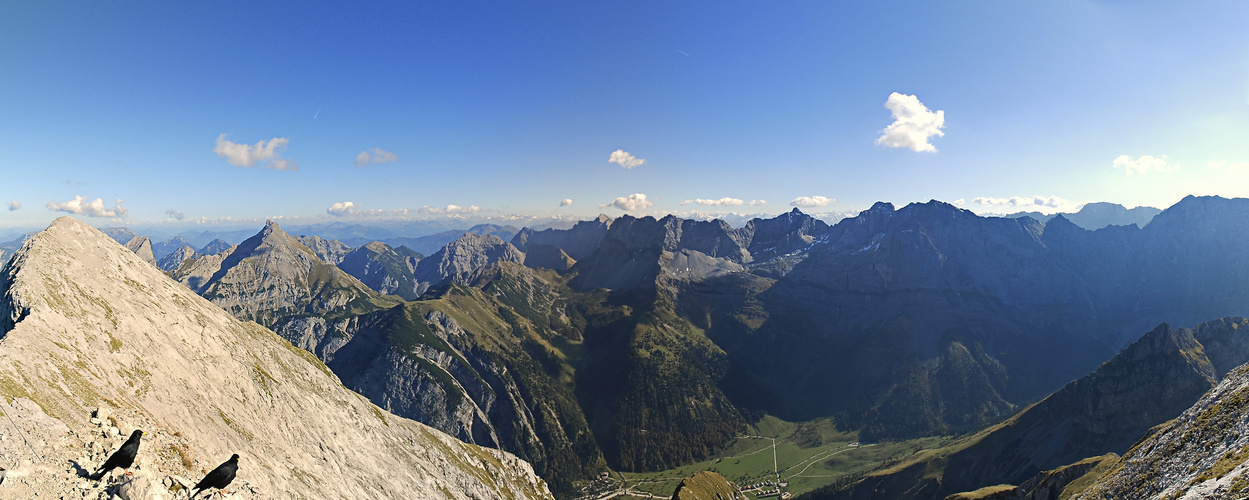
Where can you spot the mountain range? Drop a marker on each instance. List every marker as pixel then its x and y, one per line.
pixel 86 324
pixel 642 343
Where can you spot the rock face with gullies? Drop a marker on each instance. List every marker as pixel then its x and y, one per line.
pixel 142 247
pixel 86 323
pixel 384 269
pixel 787 233
pixel 173 260
pixel 332 251
pixel 635 252
pixel 463 259
pixel 706 485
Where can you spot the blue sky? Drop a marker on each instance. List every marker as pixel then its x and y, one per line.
pixel 501 108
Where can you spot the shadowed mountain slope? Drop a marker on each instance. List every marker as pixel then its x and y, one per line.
pixel 1148 383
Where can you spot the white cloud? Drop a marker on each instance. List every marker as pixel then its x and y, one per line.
pixel 14 205
pixel 913 124
pixel 449 210
pixel 565 202
pixel 811 201
pixel 1239 167
pixel 960 201
pixel 632 203
pixel 174 214
pixel 342 208
pixel 1143 164
pixel 626 160
pixel 723 202
pixel 80 205
pixel 265 153
pixel 378 155
pixel 1019 201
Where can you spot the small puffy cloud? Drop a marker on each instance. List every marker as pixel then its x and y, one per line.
pixel 14 205
pixel 174 214
pixel 265 154
pixel 626 160
pixel 449 210
pixel 565 202
pixel 1020 201
pixel 1143 164
pixel 811 201
pixel 632 203
pixel 913 124
pixel 723 202
pixel 80 205
pixel 960 201
pixel 342 208
pixel 375 156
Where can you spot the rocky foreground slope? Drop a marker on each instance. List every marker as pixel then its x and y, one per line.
pixel 86 323
pixel 1204 453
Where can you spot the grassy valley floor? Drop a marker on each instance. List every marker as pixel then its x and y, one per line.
pixel 802 455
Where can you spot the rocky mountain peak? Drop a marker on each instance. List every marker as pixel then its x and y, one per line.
pixel 89 324
pixel 270 227
pixel 215 247
pixel 142 247
pixel 461 260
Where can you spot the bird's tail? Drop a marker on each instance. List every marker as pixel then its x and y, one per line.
pixel 97 476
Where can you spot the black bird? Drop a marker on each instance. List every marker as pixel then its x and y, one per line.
pixel 124 457
pixel 220 477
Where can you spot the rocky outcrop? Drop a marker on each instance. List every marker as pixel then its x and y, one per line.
pixel 142 247
pixel 463 259
pixel 706 485
pixel 384 269
pixel 88 324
